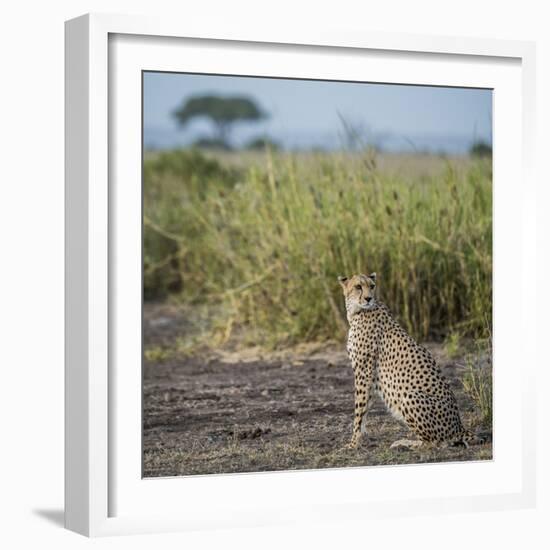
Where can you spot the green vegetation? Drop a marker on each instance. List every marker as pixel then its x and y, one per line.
pixel 262 244
pixel 212 143
pixel 453 344
pixel 481 149
pixel 223 112
pixel 477 380
pixel 157 354
pixel 261 142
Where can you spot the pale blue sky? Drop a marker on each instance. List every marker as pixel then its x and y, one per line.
pixel 305 114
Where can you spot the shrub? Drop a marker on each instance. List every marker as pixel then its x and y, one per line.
pixel 481 149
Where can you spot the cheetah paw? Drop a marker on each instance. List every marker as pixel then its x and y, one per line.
pixel 408 444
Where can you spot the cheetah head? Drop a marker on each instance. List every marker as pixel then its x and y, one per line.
pixel 359 292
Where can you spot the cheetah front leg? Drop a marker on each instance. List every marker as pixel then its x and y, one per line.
pixel 363 387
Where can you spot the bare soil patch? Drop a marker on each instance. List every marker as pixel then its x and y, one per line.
pixel 229 411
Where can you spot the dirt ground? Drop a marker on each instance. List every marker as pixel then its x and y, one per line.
pixel 225 412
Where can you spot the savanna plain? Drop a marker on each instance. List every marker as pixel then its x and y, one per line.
pixel 245 367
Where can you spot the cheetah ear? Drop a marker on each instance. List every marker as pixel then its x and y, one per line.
pixel 343 281
pixel 373 276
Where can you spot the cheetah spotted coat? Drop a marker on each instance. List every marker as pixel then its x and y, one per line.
pixel 387 360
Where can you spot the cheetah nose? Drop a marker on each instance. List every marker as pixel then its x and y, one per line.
pixel 368 298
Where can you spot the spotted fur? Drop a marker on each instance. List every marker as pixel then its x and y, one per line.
pixel 386 360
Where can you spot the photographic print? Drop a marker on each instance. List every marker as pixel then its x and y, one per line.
pixel 317 274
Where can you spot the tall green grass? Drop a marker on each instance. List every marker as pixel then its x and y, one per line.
pixel 264 245
pixel 477 380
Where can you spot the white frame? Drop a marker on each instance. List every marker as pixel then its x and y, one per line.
pixel 89 465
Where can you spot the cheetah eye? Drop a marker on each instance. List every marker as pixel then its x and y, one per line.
pixel 372 287
pixel 358 287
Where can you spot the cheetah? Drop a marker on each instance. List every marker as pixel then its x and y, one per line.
pixel 386 360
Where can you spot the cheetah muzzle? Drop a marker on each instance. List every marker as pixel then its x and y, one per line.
pixel 386 360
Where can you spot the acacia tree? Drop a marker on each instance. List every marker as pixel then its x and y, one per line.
pixel 223 112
